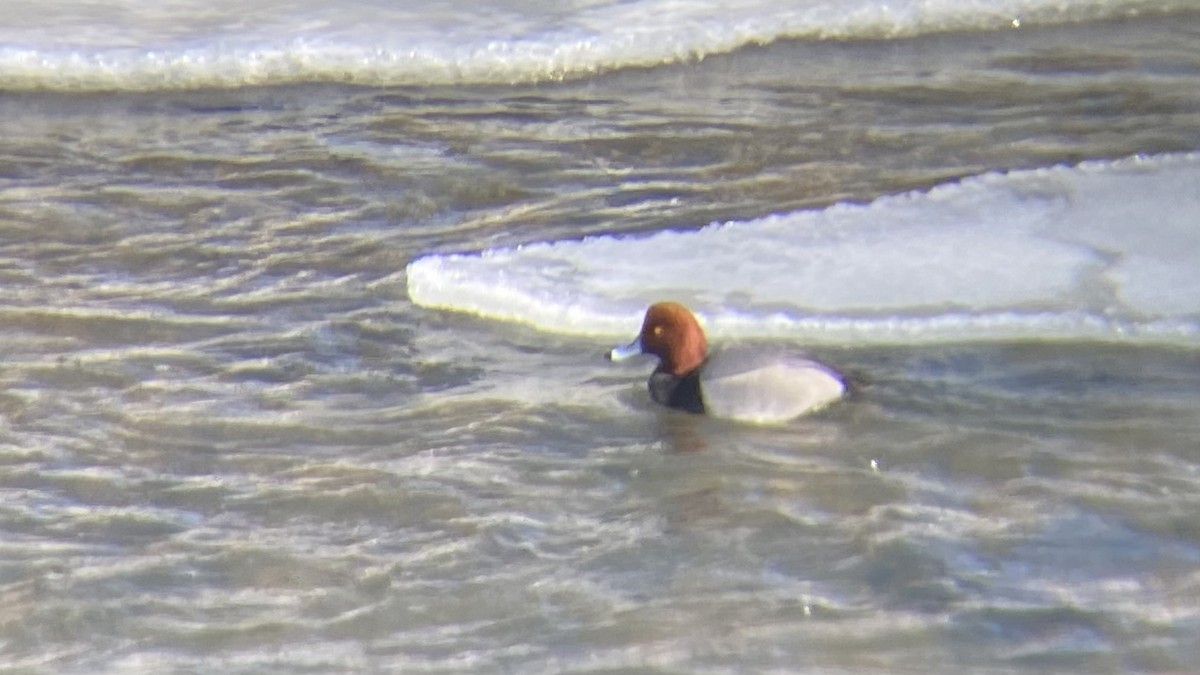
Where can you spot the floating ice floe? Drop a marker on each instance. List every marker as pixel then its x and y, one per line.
pixel 1102 250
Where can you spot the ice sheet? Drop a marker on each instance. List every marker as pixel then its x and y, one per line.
pixel 1103 250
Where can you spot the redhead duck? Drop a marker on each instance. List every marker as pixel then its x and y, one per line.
pixel 739 384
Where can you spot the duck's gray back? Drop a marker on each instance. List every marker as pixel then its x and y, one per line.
pixel 760 386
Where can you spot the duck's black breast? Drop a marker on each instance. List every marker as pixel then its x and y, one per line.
pixel 682 393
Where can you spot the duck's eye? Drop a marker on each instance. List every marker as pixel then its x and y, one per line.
pixel 658 331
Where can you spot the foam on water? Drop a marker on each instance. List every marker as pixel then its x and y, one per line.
pixel 78 45
pixel 1103 250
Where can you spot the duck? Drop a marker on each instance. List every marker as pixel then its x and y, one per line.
pixel 752 385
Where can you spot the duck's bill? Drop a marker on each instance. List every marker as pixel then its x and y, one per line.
pixel 625 351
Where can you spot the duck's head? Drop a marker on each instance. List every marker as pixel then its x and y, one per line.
pixel 670 332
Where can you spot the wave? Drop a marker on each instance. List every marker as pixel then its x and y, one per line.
pixel 73 45
pixel 1106 250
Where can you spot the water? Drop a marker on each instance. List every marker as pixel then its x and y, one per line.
pixel 68 45
pixel 231 440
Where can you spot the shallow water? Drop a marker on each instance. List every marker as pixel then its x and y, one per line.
pixel 230 441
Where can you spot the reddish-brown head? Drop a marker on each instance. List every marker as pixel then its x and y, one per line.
pixel 670 332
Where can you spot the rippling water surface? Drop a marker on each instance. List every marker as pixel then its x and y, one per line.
pixel 228 440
